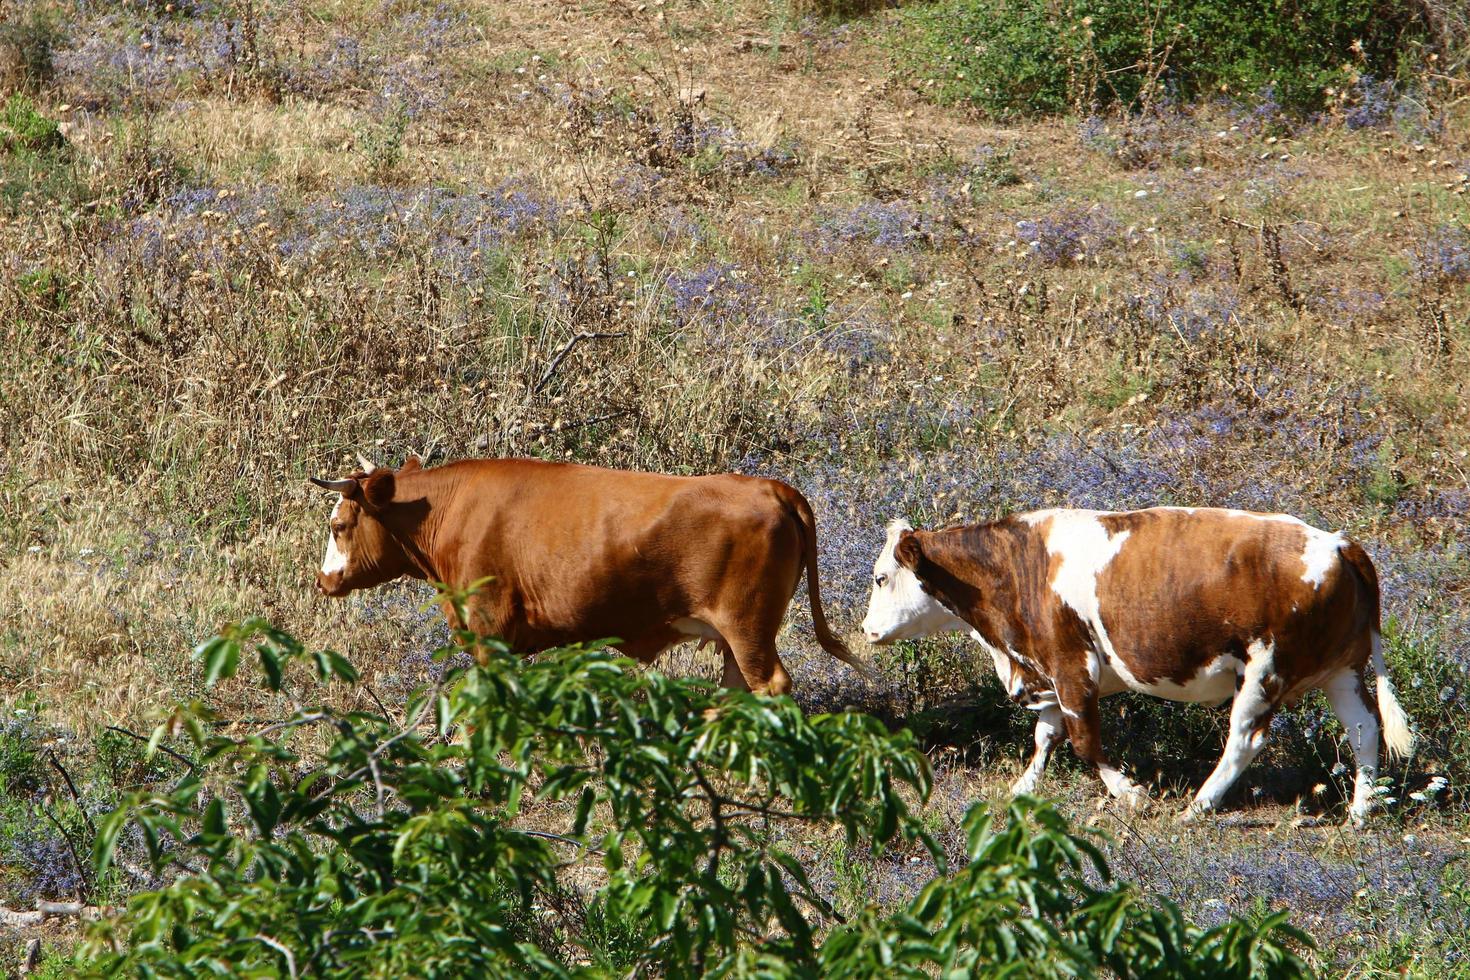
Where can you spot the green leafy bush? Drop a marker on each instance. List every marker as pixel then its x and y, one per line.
pixel 1033 57
pixel 23 128
pixel 440 845
pixel 35 158
pixel 22 766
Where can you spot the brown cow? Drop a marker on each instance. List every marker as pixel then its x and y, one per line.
pixel 580 553
pixel 1183 603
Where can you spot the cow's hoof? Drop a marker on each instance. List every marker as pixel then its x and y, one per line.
pixel 1023 787
pixel 1357 819
pixel 1194 813
pixel 1133 797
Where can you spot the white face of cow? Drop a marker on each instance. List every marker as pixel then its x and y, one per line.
pixel 336 559
pixel 899 608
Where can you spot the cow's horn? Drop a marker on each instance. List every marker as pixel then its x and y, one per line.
pixel 367 465
pixel 341 486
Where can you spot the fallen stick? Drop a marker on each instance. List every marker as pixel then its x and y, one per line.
pixel 17 919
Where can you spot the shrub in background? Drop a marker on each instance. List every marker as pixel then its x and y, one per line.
pixel 408 847
pixel 29 34
pixel 23 129
pixel 1033 57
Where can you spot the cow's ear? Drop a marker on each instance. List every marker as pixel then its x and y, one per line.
pixel 908 551
pixel 378 487
pixel 411 464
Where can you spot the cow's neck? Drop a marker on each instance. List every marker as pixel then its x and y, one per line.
pixel 411 520
pixel 418 555
pixel 982 572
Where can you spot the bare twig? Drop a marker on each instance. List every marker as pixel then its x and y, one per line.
pixel 55 762
pixel 280 948
pixel 594 420
pixel 85 890
pixel 379 792
pixel 16 919
pixel 162 748
pixel 376 700
pixel 560 838
pixel 296 722
pixel 561 355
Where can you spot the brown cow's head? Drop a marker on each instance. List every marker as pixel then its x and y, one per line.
pixel 364 541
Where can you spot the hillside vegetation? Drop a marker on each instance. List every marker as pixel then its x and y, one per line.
pixel 244 240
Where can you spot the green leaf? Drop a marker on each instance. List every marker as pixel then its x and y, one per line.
pixel 584 811
pixel 213 823
pixel 221 658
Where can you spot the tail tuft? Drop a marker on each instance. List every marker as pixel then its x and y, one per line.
pixel 1397 735
pixel 857 663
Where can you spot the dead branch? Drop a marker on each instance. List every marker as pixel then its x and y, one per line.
pixel 16 919
pixel 561 355
pixel 77 797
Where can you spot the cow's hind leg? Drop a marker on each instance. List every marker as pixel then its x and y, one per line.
pixel 1049 731
pixel 732 676
pixel 749 623
pixel 751 661
pixel 1345 693
pixel 1250 723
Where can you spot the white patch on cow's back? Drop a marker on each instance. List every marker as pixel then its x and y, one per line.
pixel 336 559
pixel 1320 556
pixel 1085 547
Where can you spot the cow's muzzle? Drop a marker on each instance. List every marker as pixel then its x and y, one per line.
pixel 330 585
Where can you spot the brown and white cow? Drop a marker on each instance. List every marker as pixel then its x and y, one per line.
pixel 580 553
pixel 1183 603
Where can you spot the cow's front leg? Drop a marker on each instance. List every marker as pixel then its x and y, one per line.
pixel 1049 731
pixel 1078 706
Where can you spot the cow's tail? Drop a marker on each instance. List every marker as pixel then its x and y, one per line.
pixel 798 507
pixel 1398 737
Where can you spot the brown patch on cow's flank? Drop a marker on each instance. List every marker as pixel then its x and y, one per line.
pixel 1189 587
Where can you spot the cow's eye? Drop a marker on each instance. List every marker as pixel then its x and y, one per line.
pixel 880 580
